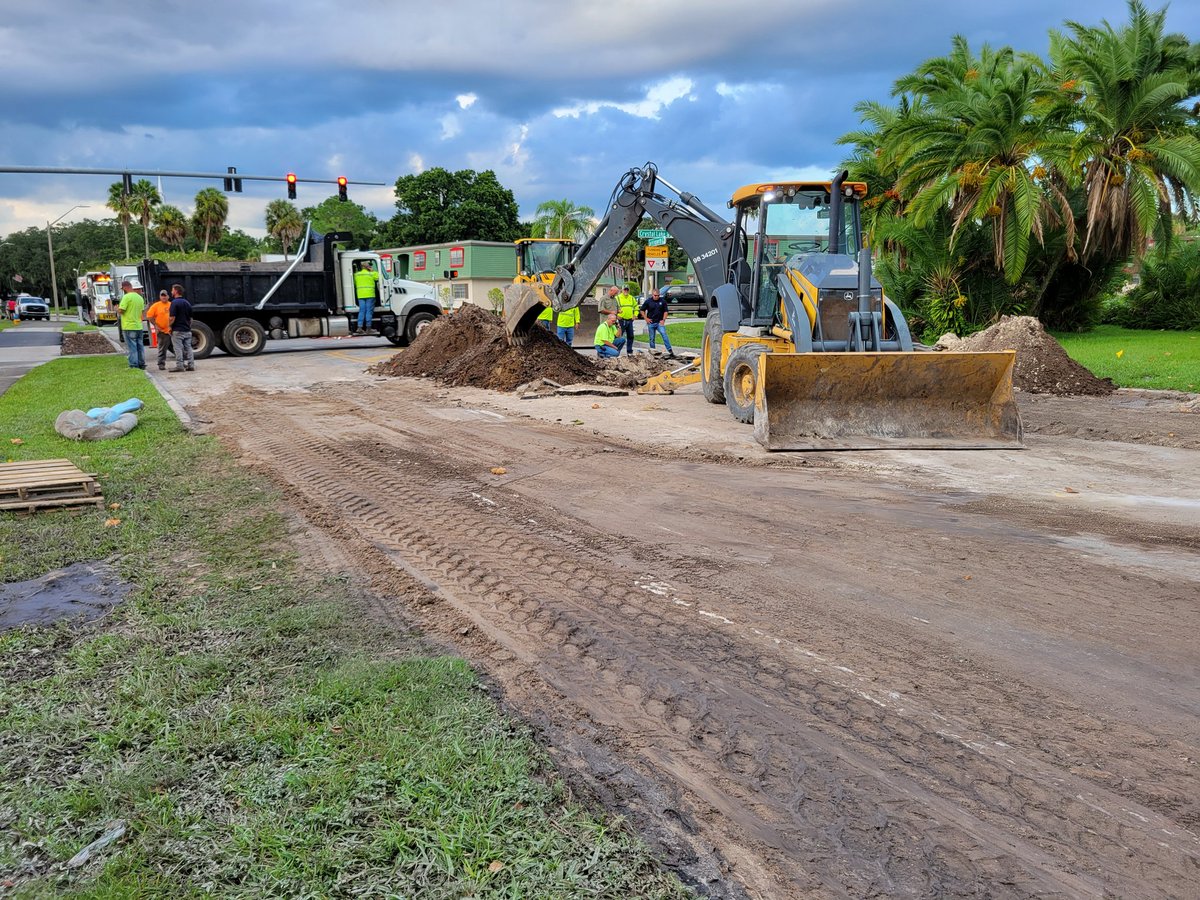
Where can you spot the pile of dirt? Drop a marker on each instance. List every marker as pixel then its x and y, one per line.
pixel 80 343
pixel 1042 365
pixel 470 348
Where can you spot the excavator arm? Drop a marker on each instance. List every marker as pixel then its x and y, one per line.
pixel 707 239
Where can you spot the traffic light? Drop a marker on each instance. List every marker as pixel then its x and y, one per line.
pixel 454 273
pixel 233 184
pixel 291 181
pixel 342 188
pixel 126 184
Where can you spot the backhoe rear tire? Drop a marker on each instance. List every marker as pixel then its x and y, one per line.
pixel 710 360
pixel 741 379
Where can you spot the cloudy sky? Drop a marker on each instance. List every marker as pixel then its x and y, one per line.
pixel 559 98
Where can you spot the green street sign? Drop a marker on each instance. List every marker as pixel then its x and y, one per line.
pixel 653 233
pixel 656 242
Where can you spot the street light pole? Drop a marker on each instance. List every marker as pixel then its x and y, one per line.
pixel 50 246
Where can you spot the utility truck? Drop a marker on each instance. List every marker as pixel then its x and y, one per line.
pixel 96 304
pixel 239 306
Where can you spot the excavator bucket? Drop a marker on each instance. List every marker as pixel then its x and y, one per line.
pixel 869 401
pixel 668 382
pixel 523 303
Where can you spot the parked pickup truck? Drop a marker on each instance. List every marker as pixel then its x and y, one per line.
pixel 239 306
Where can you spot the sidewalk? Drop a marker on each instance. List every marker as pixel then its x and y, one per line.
pixel 27 345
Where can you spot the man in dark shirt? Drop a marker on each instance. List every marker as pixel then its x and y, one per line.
pixel 656 319
pixel 181 330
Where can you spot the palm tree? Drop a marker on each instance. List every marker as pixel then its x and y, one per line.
pixel 563 219
pixel 212 208
pixel 141 203
pixel 171 225
pixel 119 202
pixel 1137 146
pixel 990 149
pixel 284 223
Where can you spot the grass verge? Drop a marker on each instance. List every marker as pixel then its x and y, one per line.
pixel 682 334
pixel 1162 360
pixel 259 737
pixel 72 327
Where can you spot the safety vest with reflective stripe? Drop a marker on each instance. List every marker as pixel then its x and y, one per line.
pixel 547 314
pixel 364 282
pixel 627 305
pixel 568 318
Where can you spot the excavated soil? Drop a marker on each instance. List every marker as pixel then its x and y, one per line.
pixel 83 343
pixel 1042 366
pixel 471 348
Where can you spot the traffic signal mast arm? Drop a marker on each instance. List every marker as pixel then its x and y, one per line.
pixel 707 239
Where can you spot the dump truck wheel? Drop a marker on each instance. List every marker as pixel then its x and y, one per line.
pixel 244 337
pixel 203 340
pixel 741 378
pixel 710 355
pixel 416 323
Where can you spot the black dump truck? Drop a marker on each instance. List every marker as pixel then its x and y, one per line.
pixel 238 306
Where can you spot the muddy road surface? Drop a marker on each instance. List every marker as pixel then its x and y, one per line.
pixel 843 675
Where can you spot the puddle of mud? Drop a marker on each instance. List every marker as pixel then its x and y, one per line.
pixel 80 592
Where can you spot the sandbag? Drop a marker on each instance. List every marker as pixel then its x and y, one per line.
pixel 79 426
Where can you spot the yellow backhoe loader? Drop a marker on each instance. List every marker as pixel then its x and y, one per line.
pixel 800 340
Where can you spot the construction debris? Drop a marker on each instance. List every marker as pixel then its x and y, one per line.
pixel 1042 365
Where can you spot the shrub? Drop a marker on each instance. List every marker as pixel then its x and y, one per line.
pixel 1169 294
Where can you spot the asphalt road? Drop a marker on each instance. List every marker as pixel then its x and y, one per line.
pixel 24 346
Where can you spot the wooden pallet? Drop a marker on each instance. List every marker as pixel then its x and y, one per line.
pixel 46 483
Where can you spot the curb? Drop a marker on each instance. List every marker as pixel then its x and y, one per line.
pixel 176 406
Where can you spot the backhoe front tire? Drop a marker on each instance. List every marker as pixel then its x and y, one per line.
pixel 741 380
pixel 710 360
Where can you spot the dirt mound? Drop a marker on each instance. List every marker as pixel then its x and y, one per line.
pixel 471 348
pixel 1042 365
pixel 80 343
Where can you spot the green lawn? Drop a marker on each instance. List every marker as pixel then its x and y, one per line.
pixel 688 335
pixel 1164 360
pixel 259 735
pixel 72 327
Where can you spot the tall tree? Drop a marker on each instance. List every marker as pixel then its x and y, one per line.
pixel 438 206
pixel 1136 142
pixel 171 225
pixel 332 214
pixel 564 219
pixel 284 223
pixel 120 203
pixel 141 204
pixel 212 209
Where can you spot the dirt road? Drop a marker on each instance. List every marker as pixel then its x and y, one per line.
pixel 855 675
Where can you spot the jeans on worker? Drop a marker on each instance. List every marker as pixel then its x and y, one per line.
pixel 625 328
pixel 660 329
pixel 566 335
pixel 137 353
pixel 182 342
pixel 545 323
pixel 607 352
pixel 366 312
pixel 164 344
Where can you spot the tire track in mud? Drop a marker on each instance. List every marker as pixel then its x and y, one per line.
pixel 844 796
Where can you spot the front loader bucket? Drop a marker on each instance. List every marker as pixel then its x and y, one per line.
pixel 876 401
pixel 523 303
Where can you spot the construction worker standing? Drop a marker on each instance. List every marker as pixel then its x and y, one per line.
pixel 627 311
pixel 366 281
pixel 568 321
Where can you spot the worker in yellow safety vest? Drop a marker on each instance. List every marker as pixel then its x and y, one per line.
pixel 568 319
pixel 546 319
pixel 627 311
pixel 366 281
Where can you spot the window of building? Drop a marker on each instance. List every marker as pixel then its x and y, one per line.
pixel 460 291
pixel 456 257
pixel 418 260
pixel 437 258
